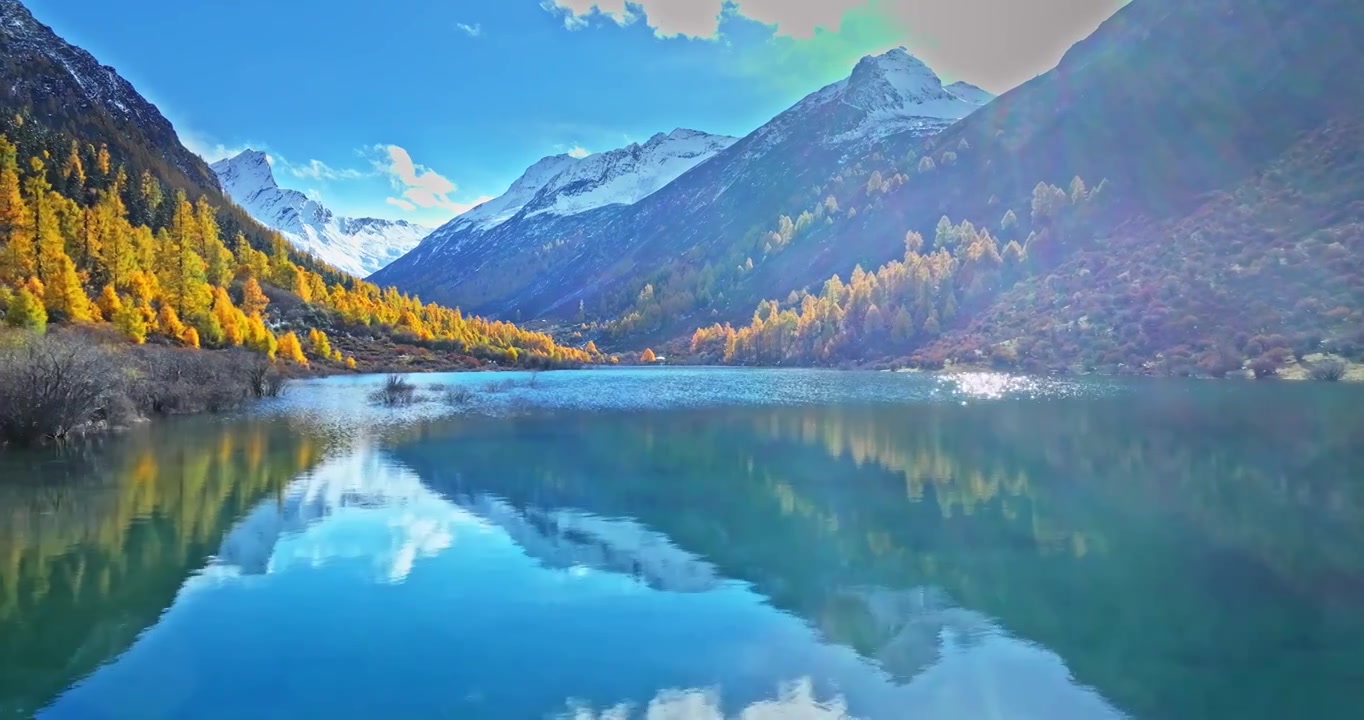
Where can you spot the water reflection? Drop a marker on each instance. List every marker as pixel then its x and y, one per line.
pixel 95 543
pixel 1171 553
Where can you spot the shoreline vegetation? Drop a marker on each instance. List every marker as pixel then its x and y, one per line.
pixel 159 304
pixel 80 381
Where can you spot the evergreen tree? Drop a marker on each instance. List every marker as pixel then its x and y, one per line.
pixel 73 173
pixel 902 327
pixel 117 252
pixel 130 320
pixel 1009 223
pixel 217 258
pixel 26 311
pixel 18 259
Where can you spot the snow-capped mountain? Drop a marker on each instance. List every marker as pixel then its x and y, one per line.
pixel 580 231
pixel 358 246
pixel 894 92
pixel 563 185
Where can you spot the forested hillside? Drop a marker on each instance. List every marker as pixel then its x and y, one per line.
pixel 1180 195
pixel 106 217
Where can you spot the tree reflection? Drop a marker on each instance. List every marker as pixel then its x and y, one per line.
pixel 95 544
pixel 1174 547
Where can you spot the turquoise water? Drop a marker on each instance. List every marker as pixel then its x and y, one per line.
pixel 671 543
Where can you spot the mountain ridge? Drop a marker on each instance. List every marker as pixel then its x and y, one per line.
pixel 553 266
pixel 359 246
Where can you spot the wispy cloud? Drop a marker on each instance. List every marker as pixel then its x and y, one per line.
pixel 318 170
pixel 419 186
pixel 473 31
pixel 578 151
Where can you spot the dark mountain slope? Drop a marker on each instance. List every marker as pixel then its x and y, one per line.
pixel 1167 104
pixel 1270 269
pixel 1167 100
pixel 709 221
pixel 68 91
pixel 52 92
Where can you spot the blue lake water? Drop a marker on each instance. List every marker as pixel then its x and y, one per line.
pixel 675 543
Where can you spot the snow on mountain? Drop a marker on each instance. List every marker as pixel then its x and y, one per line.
pixel 897 92
pixel 68 87
pixel 359 246
pixel 501 209
pixel 970 93
pixel 587 227
pixel 563 185
pixel 627 175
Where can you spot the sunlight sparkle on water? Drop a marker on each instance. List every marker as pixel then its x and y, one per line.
pixel 993 386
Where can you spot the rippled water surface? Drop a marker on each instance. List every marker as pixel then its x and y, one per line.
pixel 675 543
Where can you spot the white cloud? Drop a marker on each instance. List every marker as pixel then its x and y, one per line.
pixel 701 18
pixel 318 170
pixel 420 186
pixel 578 151
pixel 313 194
pixel 473 31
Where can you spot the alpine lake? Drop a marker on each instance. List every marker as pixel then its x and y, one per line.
pixel 700 544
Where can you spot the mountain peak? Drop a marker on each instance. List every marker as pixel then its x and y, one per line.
pixel 899 73
pixel 248 168
pixel 970 93
pixel 358 246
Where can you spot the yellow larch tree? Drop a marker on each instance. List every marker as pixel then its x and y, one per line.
pixel 17 257
pixel 26 311
pixel 290 349
pixel 168 322
pixel 181 272
pixel 319 344
pixel 230 320
pixel 254 301
pixel 131 321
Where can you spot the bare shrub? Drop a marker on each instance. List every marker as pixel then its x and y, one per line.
pixel 263 379
pixel 396 392
pixel 54 385
pixel 176 381
pixel 1268 365
pixel 1328 370
pixel 458 396
pixel 501 386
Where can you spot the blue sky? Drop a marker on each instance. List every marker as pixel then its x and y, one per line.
pixel 416 109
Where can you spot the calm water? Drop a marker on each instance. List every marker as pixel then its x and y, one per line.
pixel 701 544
